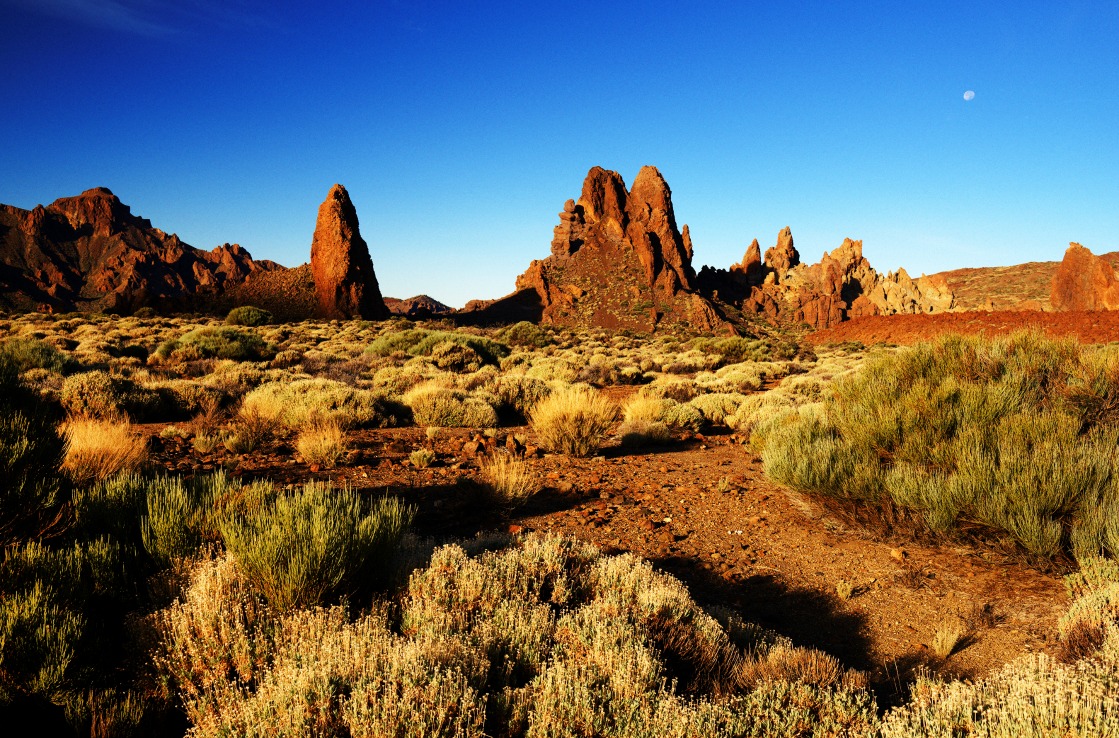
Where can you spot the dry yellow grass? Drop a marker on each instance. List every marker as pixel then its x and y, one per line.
pixel 322 442
pixel 98 449
pixel 573 420
pixel 508 479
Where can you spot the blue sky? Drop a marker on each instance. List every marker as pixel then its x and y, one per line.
pixel 461 128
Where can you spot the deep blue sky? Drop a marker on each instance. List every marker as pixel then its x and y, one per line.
pixel 461 128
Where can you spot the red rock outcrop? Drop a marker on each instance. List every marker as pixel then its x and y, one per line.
pixel 1084 281
pixel 618 261
pixel 91 253
pixel 345 284
pixel 840 286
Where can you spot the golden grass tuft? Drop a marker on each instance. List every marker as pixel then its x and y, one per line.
pixel 573 420
pixel 322 442
pixel 508 480
pixel 98 449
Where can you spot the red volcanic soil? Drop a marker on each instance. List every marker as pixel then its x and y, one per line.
pixel 1095 326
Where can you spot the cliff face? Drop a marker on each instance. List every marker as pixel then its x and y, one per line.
pixel 840 286
pixel 91 253
pixel 618 261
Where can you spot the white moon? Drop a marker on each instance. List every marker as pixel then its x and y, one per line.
pixel 969 95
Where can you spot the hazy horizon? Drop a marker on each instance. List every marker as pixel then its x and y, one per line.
pixel 459 134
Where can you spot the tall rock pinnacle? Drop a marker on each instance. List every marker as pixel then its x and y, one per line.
pixel 345 284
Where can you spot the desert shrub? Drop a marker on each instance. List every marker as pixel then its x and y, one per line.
pixel 423 342
pixel 98 449
pixel 525 334
pixel 716 407
pixel 544 638
pixel 32 492
pixel 553 369
pixel 435 405
pixel 456 357
pixel 315 544
pixel 682 416
pixel 573 420
pixel 673 388
pixel 507 480
pixel 322 442
pixel 292 404
pixel 1032 696
pixel 216 342
pixel 1094 612
pixel 249 316
pixel 518 394
pixel 181 517
pixel 422 458
pixel 737 349
pixel 24 354
pixel 641 422
pixel 97 394
pixel 184 397
pixel 976 429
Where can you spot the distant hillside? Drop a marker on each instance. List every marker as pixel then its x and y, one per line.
pixel 1021 286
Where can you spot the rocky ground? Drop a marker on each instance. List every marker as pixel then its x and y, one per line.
pixel 701 509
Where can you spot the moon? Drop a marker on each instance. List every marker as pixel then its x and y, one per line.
pixel 969 95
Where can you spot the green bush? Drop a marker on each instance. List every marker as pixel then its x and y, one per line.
pixel 97 394
pixel 217 342
pixel 443 407
pixel 1013 433
pixel 293 404
pixel 316 544
pixel 248 315
pixel 31 353
pixel 526 335
pixel 422 342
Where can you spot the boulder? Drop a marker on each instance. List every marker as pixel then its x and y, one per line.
pixel 342 270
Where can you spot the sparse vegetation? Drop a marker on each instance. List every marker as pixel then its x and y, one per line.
pixel 296 608
pixel 249 316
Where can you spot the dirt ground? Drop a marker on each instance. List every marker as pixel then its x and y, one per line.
pixel 1085 326
pixel 701 509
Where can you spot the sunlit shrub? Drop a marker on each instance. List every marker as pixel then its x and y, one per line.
pixel 573 420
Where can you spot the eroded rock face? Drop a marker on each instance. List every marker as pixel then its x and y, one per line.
pixel 840 286
pixel 345 284
pixel 619 260
pixel 1084 281
pixel 91 253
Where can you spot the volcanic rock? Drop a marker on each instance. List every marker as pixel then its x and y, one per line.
pixel 91 253
pixel 840 286
pixel 1084 281
pixel 618 261
pixel 345 284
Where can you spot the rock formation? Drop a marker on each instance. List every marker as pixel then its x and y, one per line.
pixel 1084 281
pixel 91 253
pixel 618 261
pixel 420 306
pixel 345 285
pixel 840 286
